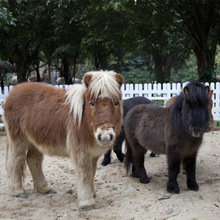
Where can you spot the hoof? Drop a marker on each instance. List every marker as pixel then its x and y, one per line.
pixel 120 157
pixel 22 196
pixel 52 192
pixel 174 189
pixel 144 180
pixel 105 163
pixel 193 186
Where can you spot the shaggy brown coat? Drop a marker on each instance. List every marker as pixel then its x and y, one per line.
pixel 81 123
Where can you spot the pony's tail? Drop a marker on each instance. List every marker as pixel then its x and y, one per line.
pixel 128 157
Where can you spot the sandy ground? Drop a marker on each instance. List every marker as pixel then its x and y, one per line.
pixel 120 196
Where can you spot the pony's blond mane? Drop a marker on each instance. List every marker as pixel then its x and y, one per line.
pixel 102 84
pixel 74 97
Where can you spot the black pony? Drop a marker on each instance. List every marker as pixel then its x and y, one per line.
pixel 127 105
pixel 176 131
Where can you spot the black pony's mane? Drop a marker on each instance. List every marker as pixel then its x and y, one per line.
pixel 195 94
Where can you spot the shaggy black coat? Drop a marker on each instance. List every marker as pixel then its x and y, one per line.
pixel 176 131
pixel 128 104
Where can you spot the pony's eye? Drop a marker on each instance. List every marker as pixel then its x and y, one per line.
pixel 92 103
pixel 116 103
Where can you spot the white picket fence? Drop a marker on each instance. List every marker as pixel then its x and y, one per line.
pixel 165 91
pixel 156 91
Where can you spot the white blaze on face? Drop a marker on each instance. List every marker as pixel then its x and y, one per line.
pixel 105 136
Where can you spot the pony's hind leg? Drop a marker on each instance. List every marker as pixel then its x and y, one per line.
pixel 138 169
pixel 34 161
pixel 15 166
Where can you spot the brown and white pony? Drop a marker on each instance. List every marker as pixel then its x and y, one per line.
pixel 81 123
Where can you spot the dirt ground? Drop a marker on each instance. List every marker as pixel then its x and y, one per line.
pixel 120 196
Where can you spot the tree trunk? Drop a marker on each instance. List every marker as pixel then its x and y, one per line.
pixel 158 66
pixel 74 66
pixel 38 73
pixel 21 58
pixel 21 70
pixel 205 64
pixel 97 60
pixel 66 70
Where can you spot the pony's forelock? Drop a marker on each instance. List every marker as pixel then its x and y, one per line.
pixel 104 83
pixel 197 94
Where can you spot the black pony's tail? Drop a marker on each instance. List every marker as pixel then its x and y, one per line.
pixel 128 157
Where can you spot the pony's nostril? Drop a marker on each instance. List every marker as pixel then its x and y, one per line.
pixel 100 137
pixel 111 137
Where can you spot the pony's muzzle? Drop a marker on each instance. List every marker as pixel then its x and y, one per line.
pixel 196 132
pixel 105 137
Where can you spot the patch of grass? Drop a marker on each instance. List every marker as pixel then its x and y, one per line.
pixel 158 102
pixel 2 129
pixel 217 123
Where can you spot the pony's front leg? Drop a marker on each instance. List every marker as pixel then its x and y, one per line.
pixel 189 164
pixel 85 169
pixel 173 171
pixel 94 167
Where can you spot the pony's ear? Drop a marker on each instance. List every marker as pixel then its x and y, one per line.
pixel 119 79
pixel 185 91
pixel 87 78
pixel 207 89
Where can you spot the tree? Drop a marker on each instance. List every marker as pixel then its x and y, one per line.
pixel 199 20
pixel 22 40
pixel 158 38
pixel 67 36
pixel 109 35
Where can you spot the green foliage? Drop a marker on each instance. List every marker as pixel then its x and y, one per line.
pixel 217 123
pixel 217 61
pixel 7 78
pixel 144 40
pixel 187 73
pixel 6 17
pixel 2 129
pixel 158 102
pixel 136 71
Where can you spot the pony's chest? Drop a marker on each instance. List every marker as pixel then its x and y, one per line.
pixel 185 146
pixel 97 150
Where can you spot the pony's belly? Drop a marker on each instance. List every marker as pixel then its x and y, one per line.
pixel 157 149
pixel 155 144
pixel 46 146
pixel 51 150
pixel 59 151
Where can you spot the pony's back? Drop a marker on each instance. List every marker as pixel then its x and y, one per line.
pixel 36 111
